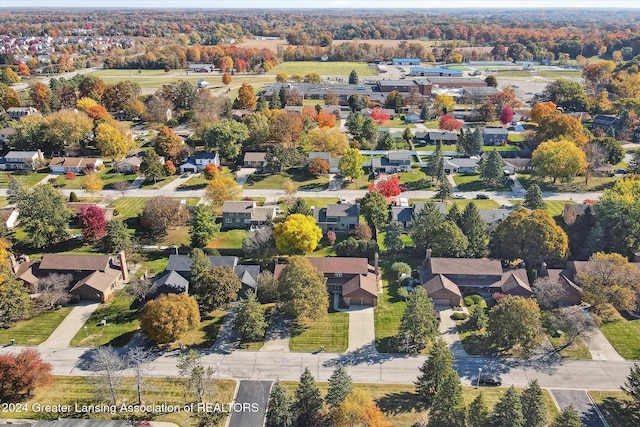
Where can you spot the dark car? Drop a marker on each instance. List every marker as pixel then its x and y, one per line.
pixel 482 197
pixel 402 188
pixel 488 379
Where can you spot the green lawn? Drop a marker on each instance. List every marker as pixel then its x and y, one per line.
pixel 616 407
pixel 129 207
pixel 554 207
pixel 159 183
pixel 108 175
pixel 576 350
pixel 3 201
pixel 415 179
pixel 68 390
pixel 28 179
pixel 206 334
pixel 195 183
pixel 332 331
pixel 576 185
pixel 480 204
pixel 361 183
pixel 397 122
pixel 318 202
pixel 122 322
pixel 323 68
pixel 624 334
pixel 153 263
pixel 36 330
pixel 229 239
pixel 300 176
pixel 474 183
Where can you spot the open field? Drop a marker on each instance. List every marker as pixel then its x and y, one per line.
pixel 36 330
pixel 323 68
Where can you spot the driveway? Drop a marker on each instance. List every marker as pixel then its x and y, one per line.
pixel 278 334
pixel 449 331
pixel 227 340
pixel 335 183
pixel 600 347
pixel 580 400
pixel 243 174
pixel 69 327
pixel 362 335
pixel 250 405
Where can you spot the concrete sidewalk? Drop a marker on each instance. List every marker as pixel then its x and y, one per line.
pixel 70 326
pixel 278 334
pixel 600 347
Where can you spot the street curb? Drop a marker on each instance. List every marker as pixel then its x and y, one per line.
pixel 553 398
pixel 606 424
pixel 235 395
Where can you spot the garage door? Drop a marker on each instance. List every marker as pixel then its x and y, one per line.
pixel 442 301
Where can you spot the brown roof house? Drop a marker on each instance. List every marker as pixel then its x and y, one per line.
pixel 76 207
pixel 75 164
pixel 566 278
pixel 352 278
pixel 95 277
pixel 572 211
pixel 446 279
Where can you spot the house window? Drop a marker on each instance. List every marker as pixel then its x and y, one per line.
pixel 237 219
pixel 337 275
pixel 227 220
pixel 482 276
pixel 461 276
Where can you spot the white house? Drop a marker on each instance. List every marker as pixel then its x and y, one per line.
pixel 22 160
pixel 199 161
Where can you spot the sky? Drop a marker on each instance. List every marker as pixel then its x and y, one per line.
pixel 262 4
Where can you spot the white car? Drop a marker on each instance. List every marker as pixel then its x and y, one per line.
pixel 459 196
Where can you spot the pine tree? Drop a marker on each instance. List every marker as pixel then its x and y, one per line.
pixel 445 190
pixel 478 412
pixel 339 387
pixel 423 223
pixel 508 410
pixel 568 417
pixel 432 371
pixel 632 384
pixel 478 142
pixel 424 113
pixel 478 317
pixel 199 265
pixel 533 407
pixel 533 198
pixel 418 320
pixel 454 215
pixel 262 103
pixel 448 409
pixel 473 228
pixel 308 402
pixel 274 103
pixel 392 237
pixel 353 78
pixel 491 168
pixel 279 407
pixel 282 95
pixel 249 322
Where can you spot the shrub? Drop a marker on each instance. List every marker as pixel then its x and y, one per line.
pixel 73 197
pixel 458 315
pixel 172 122
pixel 477 299
pixel 331 237
pixel 70 175
pixel 468 301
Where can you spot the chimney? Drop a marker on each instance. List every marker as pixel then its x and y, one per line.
pixel 14 264
pixel 428 254
pixel 375 263
pixel 543 270
pixel 123 266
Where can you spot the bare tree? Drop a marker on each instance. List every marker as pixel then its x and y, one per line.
pixel 259 242
pixel 574 322
pixel 108 363
pixel 266 287
pixel 596 157
pixel 53 288
pixel 140 288
pixel 198 380
pixel 139 360
pixel 122 186
pixel 548 292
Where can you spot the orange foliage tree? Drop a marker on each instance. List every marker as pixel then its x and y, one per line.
pixel 226 79
pixel 21 373
pixel 379 116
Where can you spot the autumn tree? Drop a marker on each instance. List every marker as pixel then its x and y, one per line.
pixel 350 164
pixel 388 188
pixel 167 143
pixel 448 122
pixel 116 96
pixel 379 116
pixel 67 129
pixel 318 166
pixel 297 234
pixel 113 141
pixel 515 321
pixel 326 119
pixel 561 126
pixel 302 290
pixel 358 408
pixel 444 103
pixel 506 116
pixel 92 222
pixel 203 226
pixel 226 79
pixel 220 189
pixel 161 213
pixel 543 109
pixel 92 183
pixel 151 166
pixel 40 96
pixel 331 140
pixel 418 323
pixel 217 288
pixel 548 292
pixel 169 317
pixel 22 373
pixel 559 160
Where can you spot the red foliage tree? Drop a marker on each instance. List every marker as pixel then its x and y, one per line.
pixel 169 167
pixel 388 188
pixel 318 166
pixel 448 122
pixel 506 115
pixel 21 373
pixel 379 116
pixel 92 222
pixel 71 175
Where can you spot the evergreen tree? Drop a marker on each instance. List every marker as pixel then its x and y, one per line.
pixel 308 402
pixel 491 170
pixel 508 410
pixel 534 410
pixel 355 122
pixel 249 322
pixel 454 215
pixel 387 142
pixel 203 226
pixel 151 167
pixel 568 417
pixel 478 142
pixel 632 384
pixel 274 103
pixel 393 237
pixel 478 412
pixel 282 95
pixel 424 113
pixel 279 407
pixel 435 164
pixel 533 198
pixel 422 225
pixel 340 385
pixel 448 409
pixel 445 191
pixel 433 370
pixel 370 131
pixel 478 317
pixel 262 103
pixel 473 228
pixel 299 206
pixel 418 321
pixel 117 237
pixel 353 78
pixel 199 264
pixel 375 210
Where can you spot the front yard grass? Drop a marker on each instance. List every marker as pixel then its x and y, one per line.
pixel 69 390
pixel 554 207
pixel 206 334
pixel 462 203
pixel 466 182
pixel 229 239
pixel 159 183
pixel 616 407
pixel 576 185
pixel 122 322
pixel 623 335
pixel 109 177
pixel 415 179
pixel 28 179
pixel 300 176
pixel 3 201
pixel 35 330
pixel 128 207
pixel 576 350
pixel 332 331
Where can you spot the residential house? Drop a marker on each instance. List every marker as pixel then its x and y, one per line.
pixel 412 118
pixel 572 211
pixel 255 160
pixel 6 134
pixel 318 92
pixel 76 207
pixel 177 275
pixel 446 279
pixel 337 217
pixel 75 164
pixel 404 214
pixel 199 161
pixel 608 124
pixel 460 165
pixel 130 164
pixel 326 156
pixel 352 278
pixel 17 113
pixel 495 136
pixel 366 112
pixel 518 165
pixel 493 217
pixel 94 277
pixel 403 86
pixel 566 278
pixel 22 160
pixel 433 137
pixel 245 214
pixel 394 161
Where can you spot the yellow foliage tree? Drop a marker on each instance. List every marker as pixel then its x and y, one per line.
pixel 297 234
pixel 326 119
pixel 169 317
pixel 112 140
pixel 358 408
pixel 246 97
pixel 290 188
pixel 5 245
pixel 445 103
pixel 83 104
pixel 282 77
pixel 221 188
pixel 329 139
pixel 92 183
pixel 559 159
pixel 558 126
pixel 542 110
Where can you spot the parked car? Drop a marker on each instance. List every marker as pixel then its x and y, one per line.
pixel 482 197
pixel 488 379
pixel 343 200
pixel 620 171
pixel 402 188
pixel 459 196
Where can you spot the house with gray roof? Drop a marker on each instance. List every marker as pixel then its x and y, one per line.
pixel 393 162
pixel 404 214
pixel 22 160
pixel 608 124
pixel 460 165
pixel 495 136
pixel 246 214
pixel 433 137
pixel 337 217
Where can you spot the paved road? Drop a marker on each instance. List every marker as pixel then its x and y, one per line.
pixel 255 394
pixel 583 403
